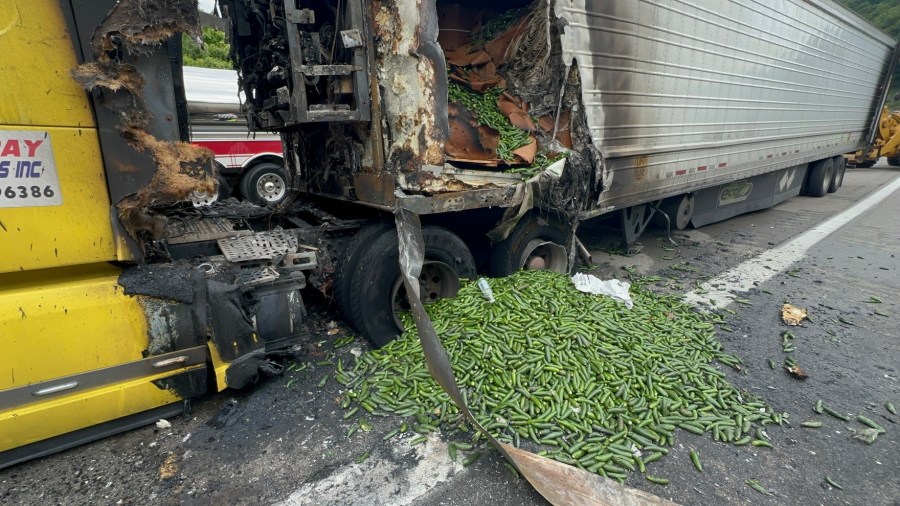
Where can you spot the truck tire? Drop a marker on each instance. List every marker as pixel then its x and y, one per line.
pixel 837 179
pixel 374 281
pixel 522 247
pixel 348 262
pixel 894 161
pixel 265 184
pixel 820 175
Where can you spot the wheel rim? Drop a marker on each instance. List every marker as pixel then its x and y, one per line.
pixel 271 187
pixel 436 281
pixel 541 254
pixel 685 212
pixel 203 199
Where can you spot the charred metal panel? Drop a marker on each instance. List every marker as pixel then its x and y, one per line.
pixel 186 385
pixel 134 73
pixel 509 196
pixel 412 73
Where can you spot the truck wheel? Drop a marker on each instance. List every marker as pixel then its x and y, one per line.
pixel 837 179
pixel 203 199
pixel 680 210
pixel 265 184
pixel 348 262
pixel 894 161
pixel 820 175
pixel 535 243
pixel 374 287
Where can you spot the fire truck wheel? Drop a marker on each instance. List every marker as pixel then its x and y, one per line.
pixel 376 294
pixel 820 177
pixel 265 184
pixel 535 243
pixel 837 179
pixel 347 263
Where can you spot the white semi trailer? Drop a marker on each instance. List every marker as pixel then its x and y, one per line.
pixel 697 110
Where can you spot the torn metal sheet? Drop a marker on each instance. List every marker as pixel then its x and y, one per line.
pixel 559 483
pixel 793 315
pixel 132 80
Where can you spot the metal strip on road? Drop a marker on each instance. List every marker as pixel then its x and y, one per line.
pixel 717 291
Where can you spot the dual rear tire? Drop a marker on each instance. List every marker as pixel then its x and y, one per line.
pixel 368 288
pixel 368 283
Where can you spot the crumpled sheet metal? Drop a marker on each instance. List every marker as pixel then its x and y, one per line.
pixel 560 484
pixel 476 67
pixel 793 315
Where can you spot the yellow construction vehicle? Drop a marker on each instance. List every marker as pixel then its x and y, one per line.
pixel 886 144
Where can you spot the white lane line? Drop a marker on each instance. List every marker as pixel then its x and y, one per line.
pixel 771 262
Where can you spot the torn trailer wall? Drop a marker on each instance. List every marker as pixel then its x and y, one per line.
pixel 132 67
pixel 464 99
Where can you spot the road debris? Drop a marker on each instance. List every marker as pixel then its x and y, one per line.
pixel 867 436
pixel 657 480
pixel 794 369
pixel 867 421
pixel 890 407
pixel 169 467
pixel 755 485
pixel 833 483
pixel 471 459
pixel 695 458
pixel 811 425
pixel 787 342
pixel 588 383
pixel 793 315
pixel 839 416
pixel 163 424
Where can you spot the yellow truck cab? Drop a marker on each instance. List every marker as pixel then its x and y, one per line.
pixel 97 335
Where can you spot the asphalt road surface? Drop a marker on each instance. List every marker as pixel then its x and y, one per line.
pixel 284 440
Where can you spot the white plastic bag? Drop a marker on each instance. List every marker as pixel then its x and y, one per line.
pixel 614 288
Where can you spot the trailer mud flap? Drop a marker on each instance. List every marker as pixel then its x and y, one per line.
pixel 559 483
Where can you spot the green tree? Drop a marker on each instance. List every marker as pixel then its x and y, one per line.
pixel 885 14
pixel 213 54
